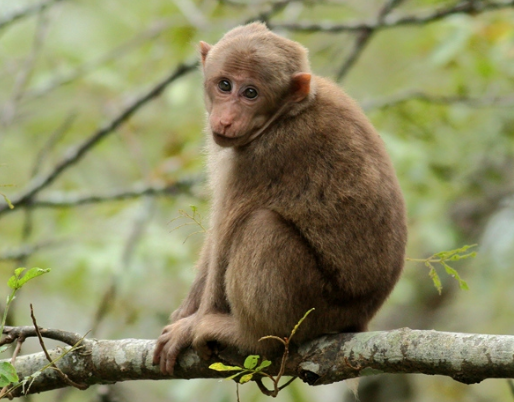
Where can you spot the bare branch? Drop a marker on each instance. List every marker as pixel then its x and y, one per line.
pixel 467 358
pixel 76 154
pixel 14 333
pixel 498 101
pixel 363 38
pixel 152 32
pixel 27 12
pixel 25 251
pixel 470 7
pixel 66 200
pixel 65 378
pixel 25 73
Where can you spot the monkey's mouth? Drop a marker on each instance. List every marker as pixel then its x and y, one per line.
pixel 225 141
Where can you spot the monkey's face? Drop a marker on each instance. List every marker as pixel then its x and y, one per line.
pixel 238 106
pixel 250 83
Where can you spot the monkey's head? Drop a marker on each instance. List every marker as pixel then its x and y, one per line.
pixel 252 77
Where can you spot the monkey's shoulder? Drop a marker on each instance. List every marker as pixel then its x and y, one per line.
pixel 335 122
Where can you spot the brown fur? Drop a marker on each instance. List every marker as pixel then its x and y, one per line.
pixel 306 208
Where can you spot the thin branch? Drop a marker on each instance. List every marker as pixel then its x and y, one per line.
pixel 275 8
pixel 50 143
pixel 65 378
pixel 152 32
pixel 106 302
pixel 25 251
pixel 25 73
pixel 470 7
pixel 497 101
pixel 77 153
pixel 27 12
pixel 14 333
pixel 65 200
pixel 363 38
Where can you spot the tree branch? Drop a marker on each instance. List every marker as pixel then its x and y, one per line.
pixel 67 200
pixel 497 101
pixel 363 38
pixel 468 358
pixel 471 7
pixel 75 154
pixel 27 12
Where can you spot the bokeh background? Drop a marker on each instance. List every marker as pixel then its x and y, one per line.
pixel 436 77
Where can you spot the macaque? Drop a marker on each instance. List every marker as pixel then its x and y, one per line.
pixel 306 207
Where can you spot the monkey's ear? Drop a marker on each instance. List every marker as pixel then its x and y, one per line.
pixel 300 86
pixel 204 49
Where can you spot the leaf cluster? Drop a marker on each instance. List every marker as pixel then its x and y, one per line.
pixel 8 373
pixel 443 258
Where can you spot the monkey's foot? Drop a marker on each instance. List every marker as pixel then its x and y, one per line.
pixel 174 338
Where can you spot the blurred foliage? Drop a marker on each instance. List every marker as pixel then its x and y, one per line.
pixel 441 95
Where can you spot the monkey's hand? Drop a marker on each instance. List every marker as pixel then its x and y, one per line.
pixel 174 338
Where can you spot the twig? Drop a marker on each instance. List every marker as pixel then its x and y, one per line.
pixel 499 101
pixel 17 349
pixel 27 12
pixel 109 295
pixel 66 379
pixel 265 16
pixel 466 7
pixel 363 38
pixel 66 200
pixel 77 153
pixel 49 144
pixel 91 65
pixel 26 70
pixel 13 333
pixel 25 251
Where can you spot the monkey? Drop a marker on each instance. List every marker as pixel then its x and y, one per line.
pixel 306 208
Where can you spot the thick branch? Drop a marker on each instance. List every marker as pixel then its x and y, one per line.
pixel 468 358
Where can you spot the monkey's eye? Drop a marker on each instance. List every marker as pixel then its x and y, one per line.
pixel 250 93
pixel 225 86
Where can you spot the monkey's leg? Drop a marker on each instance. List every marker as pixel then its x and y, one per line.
pixel 272 280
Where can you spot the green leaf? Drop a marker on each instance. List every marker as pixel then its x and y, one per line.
pixel 251 361
pixel 450 271
pixel 8 201
pixel 435 278
pixel 15 282
pixel 3 348
pixel 263 365
pixel 222 367
pixel 8 374
pixel 245 378
pixel 234 376
pixel 33 273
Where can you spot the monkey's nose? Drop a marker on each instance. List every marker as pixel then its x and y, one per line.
pixel 226 123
